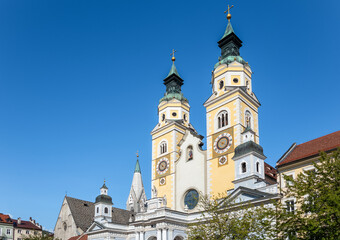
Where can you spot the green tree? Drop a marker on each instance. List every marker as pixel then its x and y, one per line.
pixel 316 212
pixel 222 218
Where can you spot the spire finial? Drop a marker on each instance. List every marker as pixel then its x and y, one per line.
pixel 137 154
pixel 228 10
pixel 173 55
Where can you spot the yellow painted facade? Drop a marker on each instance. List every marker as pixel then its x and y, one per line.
pixel 236 103
pixel 170 133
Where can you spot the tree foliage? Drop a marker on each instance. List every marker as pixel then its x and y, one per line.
pixel 316 195
pixel 224 219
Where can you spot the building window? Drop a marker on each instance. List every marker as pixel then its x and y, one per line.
pixel 258 167
pixel 222 119
pixel 174 114
pixel 221 84
pixel 235 80
pixel 19 231
pixel 248 119
pixel 290 206
pixel 163 117
pixel 106 210
pixel 190 153
pixel 97 209
pixel 244 167
pixel 163 147
pixel 185 117
pixel 19 238
pixel 27 232
pixel 8 231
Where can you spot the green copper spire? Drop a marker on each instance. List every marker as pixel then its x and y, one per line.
pixel 228 30
pixel 137 168
pixel 173 69
pixel 173 83
pixel 230 45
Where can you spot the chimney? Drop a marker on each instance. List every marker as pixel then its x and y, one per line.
pixel 30 219
pixel 19 220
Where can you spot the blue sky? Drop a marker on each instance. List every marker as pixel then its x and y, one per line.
pixel 80 82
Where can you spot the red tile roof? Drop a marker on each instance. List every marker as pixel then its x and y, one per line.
pixel 311 148
pixel 4 218
pixel 270 171
pixel 26 225
pixel 82 237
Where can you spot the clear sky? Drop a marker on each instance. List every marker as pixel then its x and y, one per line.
pixel 80 82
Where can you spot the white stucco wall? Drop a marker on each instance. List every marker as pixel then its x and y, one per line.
pixel 190 174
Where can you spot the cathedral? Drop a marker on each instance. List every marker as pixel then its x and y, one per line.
pixel 233 162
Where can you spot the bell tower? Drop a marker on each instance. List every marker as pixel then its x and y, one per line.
pixel 173 120
pixel 231 108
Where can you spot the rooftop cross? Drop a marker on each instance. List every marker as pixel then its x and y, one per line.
pixel 228 10
pixel 137 154
pixel 173 55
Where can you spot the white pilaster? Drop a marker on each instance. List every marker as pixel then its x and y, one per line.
pixel 141 236
pixel 137 235
pixel 159 234
pixel 165 234
pixel 171 234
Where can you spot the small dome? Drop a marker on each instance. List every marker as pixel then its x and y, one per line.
pixel 104 199
pixel 248 147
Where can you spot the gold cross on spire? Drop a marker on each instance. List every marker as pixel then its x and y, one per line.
pixel 137 154
pixel 104 180
pixel 228 10
pixel 173 55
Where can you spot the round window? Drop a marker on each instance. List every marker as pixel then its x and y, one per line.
pixel 174 114
pixel 191 199
pixel 235 80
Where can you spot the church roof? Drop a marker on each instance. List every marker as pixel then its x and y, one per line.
pixel 310 149
pixel 83 213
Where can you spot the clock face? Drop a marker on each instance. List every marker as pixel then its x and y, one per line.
pixel 223 143
pixel 163 165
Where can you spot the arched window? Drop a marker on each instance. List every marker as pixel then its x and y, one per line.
pixel 97 209
pixel 163 147
pixel 222 119
pixel 190 153
pixel 106 210
pixel 221 84
pixel 257 167
pixel 163 117
pixel 244 167
pixel 248 119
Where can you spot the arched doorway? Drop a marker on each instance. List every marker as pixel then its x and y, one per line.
pixel 179 238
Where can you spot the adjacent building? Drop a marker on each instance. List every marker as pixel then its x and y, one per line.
pixel 23 229
pixel 6 227
pixel 300 158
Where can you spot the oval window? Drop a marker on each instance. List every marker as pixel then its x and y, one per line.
pixel 235 80
pixel 174 114
pixel 191 199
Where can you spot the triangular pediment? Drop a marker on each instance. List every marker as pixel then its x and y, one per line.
pixel 95 226
pixel 243 194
